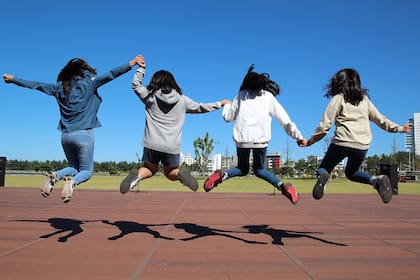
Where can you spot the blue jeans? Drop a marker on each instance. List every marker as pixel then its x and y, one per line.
pixel 78 147
pixel 258 155
pixel 355 157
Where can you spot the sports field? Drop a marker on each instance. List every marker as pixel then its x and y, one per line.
pixel 244 184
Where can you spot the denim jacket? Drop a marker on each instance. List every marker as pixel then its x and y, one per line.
pixel 79 107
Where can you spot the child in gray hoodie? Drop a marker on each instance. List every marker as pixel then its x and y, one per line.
pixel 166 108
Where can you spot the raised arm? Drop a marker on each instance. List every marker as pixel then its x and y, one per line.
pixel 49 89
pixel 118 71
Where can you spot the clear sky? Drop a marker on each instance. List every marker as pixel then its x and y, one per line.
pixel 208 46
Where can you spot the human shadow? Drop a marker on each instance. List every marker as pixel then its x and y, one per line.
pixel 203 231
pixel 127 227
pixel 62 225
pixel 278 234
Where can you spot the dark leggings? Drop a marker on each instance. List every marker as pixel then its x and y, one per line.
pixel 355 157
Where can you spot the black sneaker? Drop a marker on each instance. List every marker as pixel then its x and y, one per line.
pixel 383 186
pixel 187 179
pixel 130 181
pixel 321 185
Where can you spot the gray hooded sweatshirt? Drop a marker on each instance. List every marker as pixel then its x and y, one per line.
pixel 165 115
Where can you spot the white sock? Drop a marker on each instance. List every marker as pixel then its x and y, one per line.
pixel 135 182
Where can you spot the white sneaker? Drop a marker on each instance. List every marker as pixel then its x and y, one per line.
pixel 48 184
pixel 67 192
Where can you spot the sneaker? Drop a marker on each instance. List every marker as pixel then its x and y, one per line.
pixel 187 179
pixel 67 192
pixel 214 180
pixel 130 181
pixel 289 191
pixel 321 185
pixel 383 187
pixel 48 185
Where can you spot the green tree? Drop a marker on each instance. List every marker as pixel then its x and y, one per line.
pixel 202 149
pixel 312 166
pixel 301 166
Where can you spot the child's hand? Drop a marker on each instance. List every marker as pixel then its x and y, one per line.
pixel 225 101
pixel 8 78
pixel 302 142
pixel 407 127
pixel 140 61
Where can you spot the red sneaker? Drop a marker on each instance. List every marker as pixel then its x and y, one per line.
pixel 214 180
pixel 289 191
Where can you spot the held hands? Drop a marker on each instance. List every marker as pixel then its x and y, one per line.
pixel 225 101
pixel 8 78
pixel 302 142
pixel 139 60
pixel 305 142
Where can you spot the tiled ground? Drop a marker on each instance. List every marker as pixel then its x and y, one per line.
pixel 182 235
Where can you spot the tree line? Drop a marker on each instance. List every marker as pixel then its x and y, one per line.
pixel 302 167
pixel 110 167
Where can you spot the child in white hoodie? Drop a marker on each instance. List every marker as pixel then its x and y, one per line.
pixel 252 109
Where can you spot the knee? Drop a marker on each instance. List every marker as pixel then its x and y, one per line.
pixel 89 174
pixel 258 172
pixel 244 172
pixel 171 174
pixel 349 175
pixel 150 168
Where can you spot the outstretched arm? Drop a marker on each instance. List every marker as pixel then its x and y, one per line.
pixel 118 71
pixel 308 142
pixel 8 78
pixel 199 108
pixel 49 89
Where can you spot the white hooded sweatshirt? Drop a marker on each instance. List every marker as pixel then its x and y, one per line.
pixel 252 112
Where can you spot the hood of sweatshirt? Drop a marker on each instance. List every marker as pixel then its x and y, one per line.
pixel 168 98
pixel 166 101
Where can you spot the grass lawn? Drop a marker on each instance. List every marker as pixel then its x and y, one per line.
pixel 239 184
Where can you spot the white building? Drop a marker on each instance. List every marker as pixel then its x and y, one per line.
pixel 417 133
pixel 186 158
pixel 214 163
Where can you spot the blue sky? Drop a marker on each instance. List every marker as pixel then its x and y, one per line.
pixel 208 46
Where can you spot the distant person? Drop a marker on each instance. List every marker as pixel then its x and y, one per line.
pixel 252 110
pixel 351 110
pixel 78 100
pixel 166 107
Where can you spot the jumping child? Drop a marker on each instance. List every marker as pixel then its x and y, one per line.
pixel 351 110
pixel 166 108
pixel 76 92
pixel 253 109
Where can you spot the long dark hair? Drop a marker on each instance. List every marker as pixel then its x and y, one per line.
pixel 164 81
pixel 346 81
pixel 75 67
pixel 255 81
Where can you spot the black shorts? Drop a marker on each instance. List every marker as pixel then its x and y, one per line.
pixel 152 156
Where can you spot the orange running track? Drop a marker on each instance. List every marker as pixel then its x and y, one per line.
pixel 185 235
